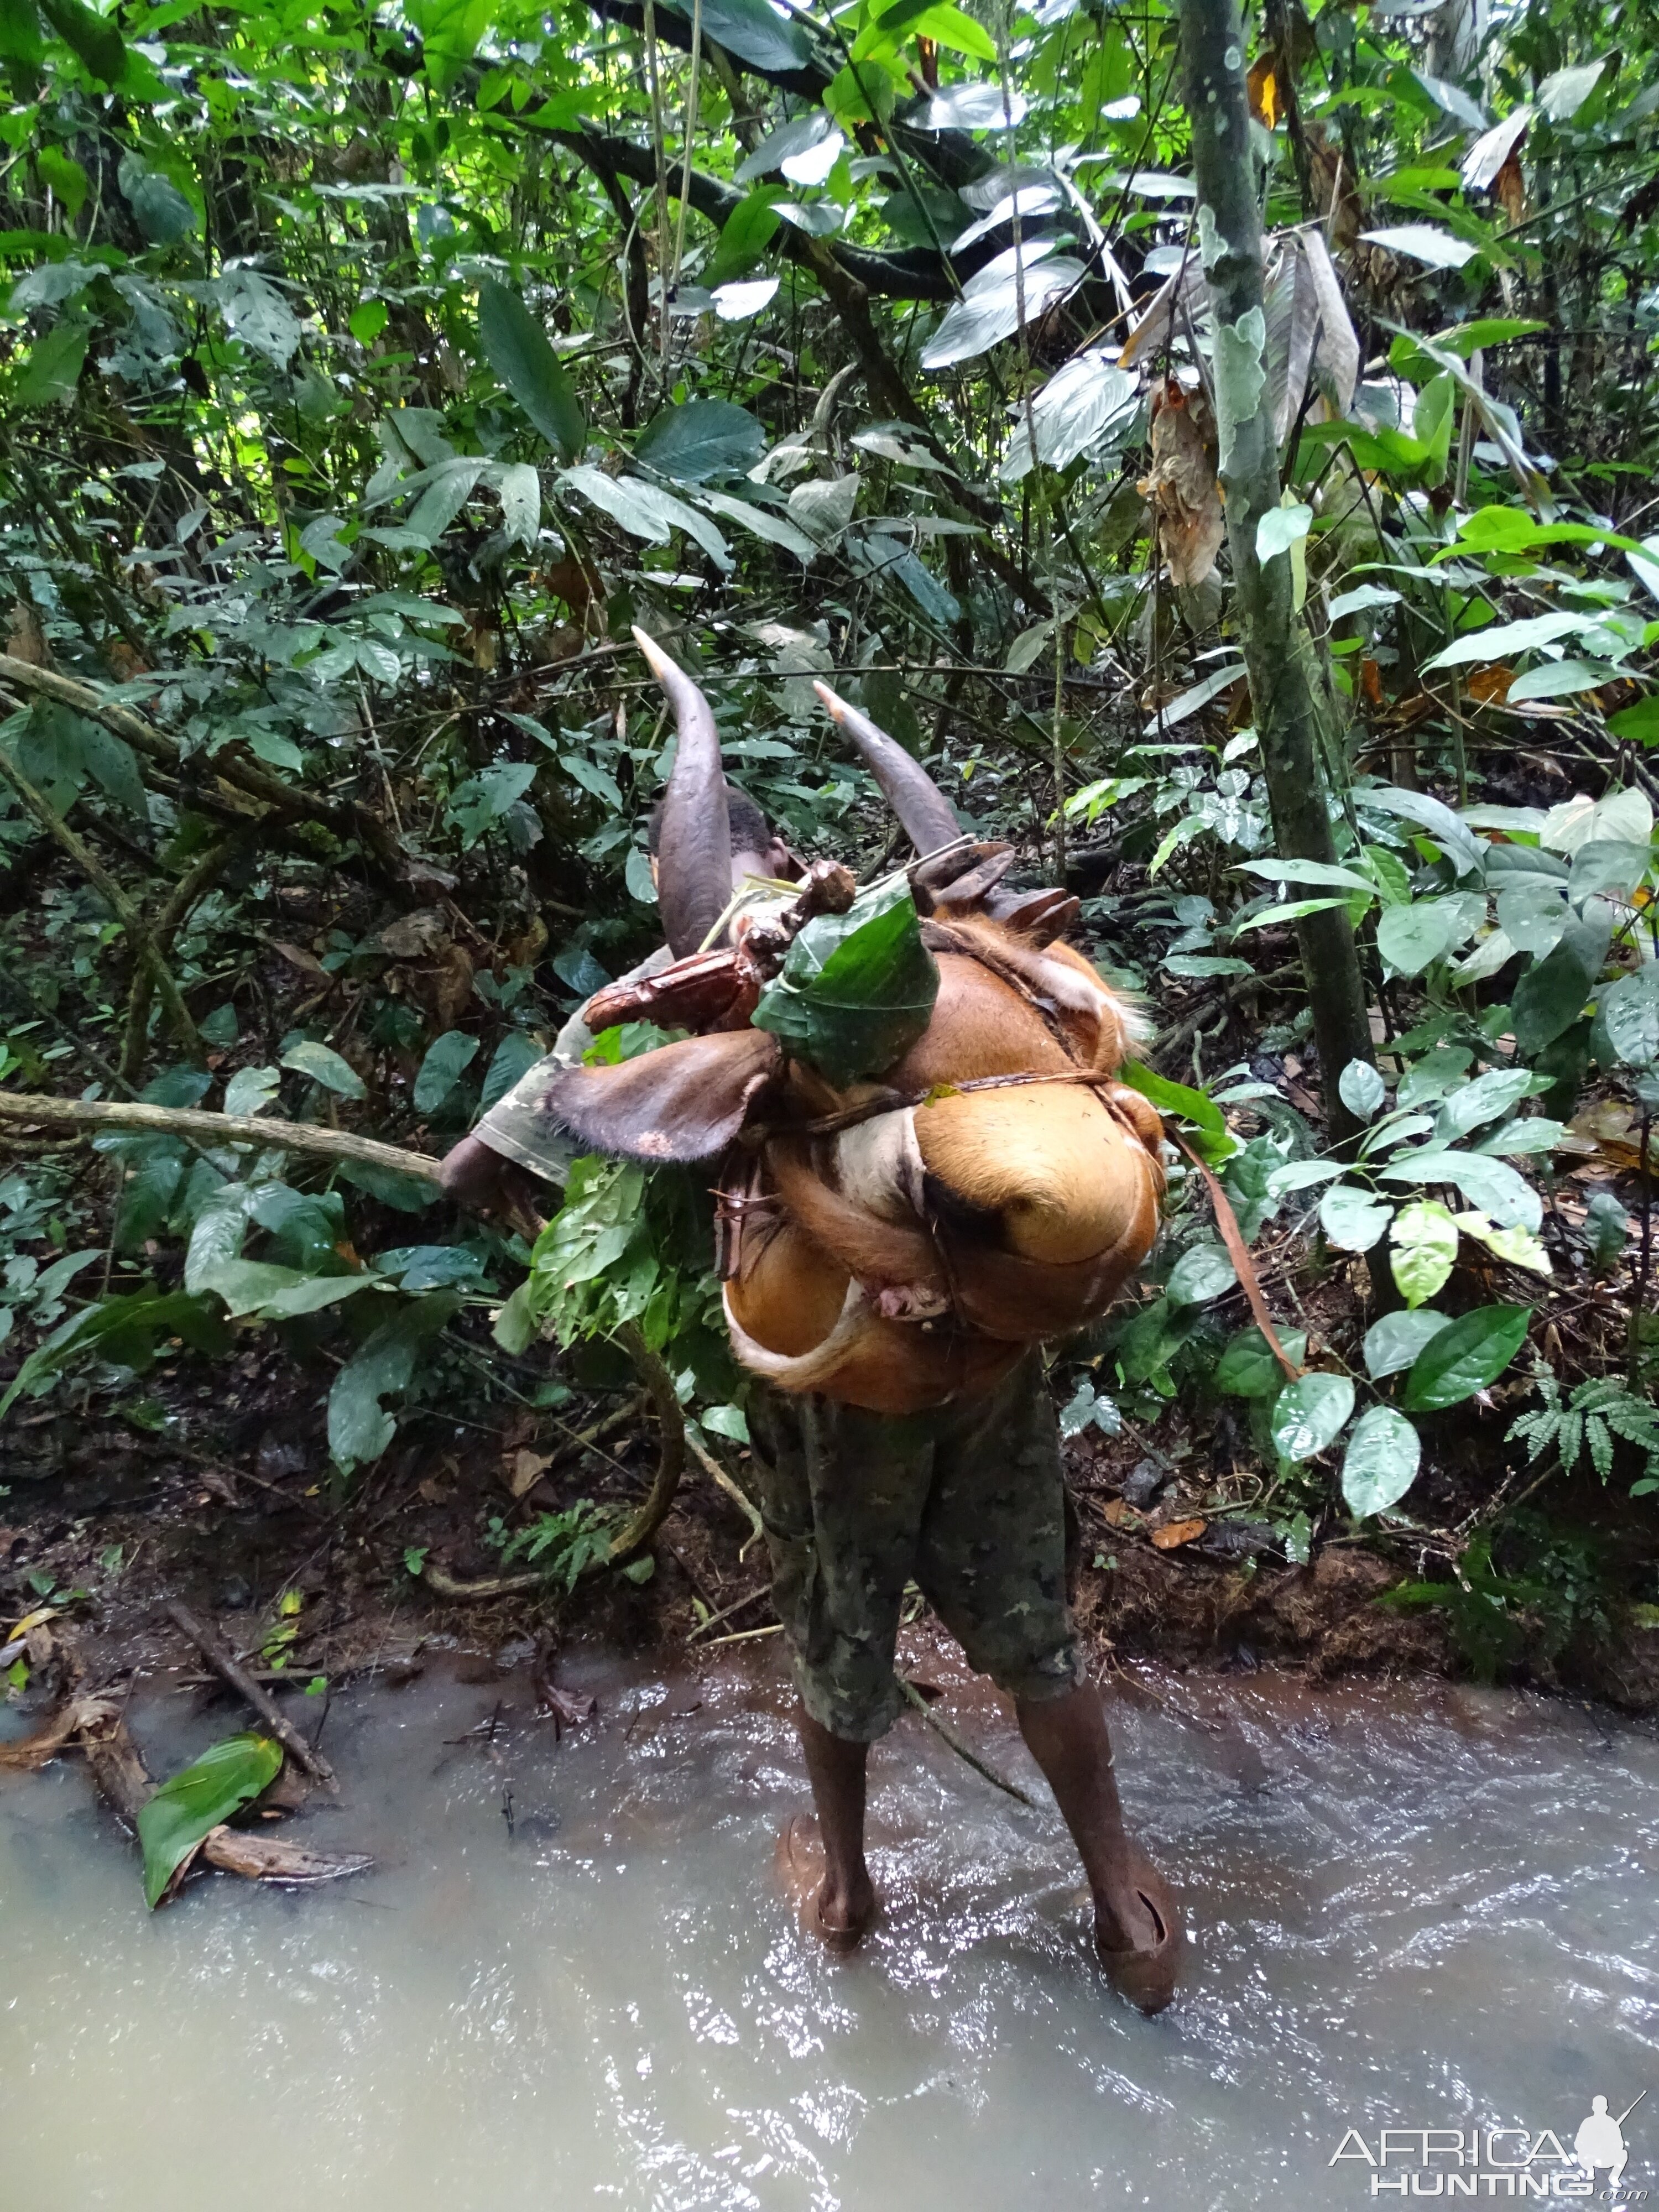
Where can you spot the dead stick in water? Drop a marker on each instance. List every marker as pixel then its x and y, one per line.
pixel 224 1664
pixel 950 1736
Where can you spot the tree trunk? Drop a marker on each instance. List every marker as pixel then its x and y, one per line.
pixel 1276 651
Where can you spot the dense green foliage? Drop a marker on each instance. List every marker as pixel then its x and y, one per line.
pixel 367 374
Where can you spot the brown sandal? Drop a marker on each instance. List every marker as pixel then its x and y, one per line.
pixel 1147 1975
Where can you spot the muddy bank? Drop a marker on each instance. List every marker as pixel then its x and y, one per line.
pixel 106 1525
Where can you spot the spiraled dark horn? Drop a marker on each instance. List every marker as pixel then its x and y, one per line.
pixel 693 848
pixel 925 814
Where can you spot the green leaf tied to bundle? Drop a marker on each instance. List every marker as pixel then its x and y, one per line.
pixel 856 990
pixel 187 1806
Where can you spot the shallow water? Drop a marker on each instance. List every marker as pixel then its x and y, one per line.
pixel 1411 1909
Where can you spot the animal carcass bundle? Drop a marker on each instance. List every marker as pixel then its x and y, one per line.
pixel 926 1166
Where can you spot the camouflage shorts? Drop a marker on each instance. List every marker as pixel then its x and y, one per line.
pixel 967 1501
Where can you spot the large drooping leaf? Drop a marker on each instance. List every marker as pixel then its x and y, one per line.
pixel 1489 1184
pixel 1550 997
pixel 324 1066
pixel 189 1803
pixel 646 510
pixel 1351 1220
pixel 1211 1137
pixel 123 1330
pixel 1424 242
pixel 1381 1463
pixel 1627 1019
pixel 273 1293
pixel 856 990
pixel 446 1062
pixel 359 1426
pixel 700 439
pixel 517 347
pixel 1307 1414
pixel 988 310
pixel 1089 403
pixel 1465 1356
pixel 753 32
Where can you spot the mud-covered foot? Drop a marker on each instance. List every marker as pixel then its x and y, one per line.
pixel 1138 1932
pixel 838 1921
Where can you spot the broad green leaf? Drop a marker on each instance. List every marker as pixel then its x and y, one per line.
pixel 753 31
pixel 856 990
pixel 446 1060
pixel 1307 1414
pixel 513 1057
pixel 200 1798
pixel 1425 1245
pixel 93 39
pixel 1453 836
pixel 1393 1342
pixel 1280 528
pixel 1249 1368
pixel 1086 404
pixel 1381 1463
pixel 1488 1182
pixel 273 1293
pixel 1465 1356
pixel 646 510
pixel 988 310
pixel 1627 1019
pixel 700 439
pixel 1212 1141
pixel 1411 938
pixel 324 1066
pixel 1487 1097
pixel 52 371
pixel 1501 641
pixel 218 1232
pixel 1550 997
pixel 1307 872
pixel 123 1329
pixel 1351 1220
pixel 745 236
pixel 359 1427
pixel 1362 1089
pixel 1522 1247
pixel 1202 1272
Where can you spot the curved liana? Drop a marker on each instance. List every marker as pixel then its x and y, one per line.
pixel 694 847
pixel 926 815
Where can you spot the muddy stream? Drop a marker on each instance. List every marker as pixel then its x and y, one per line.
pixel 570 1980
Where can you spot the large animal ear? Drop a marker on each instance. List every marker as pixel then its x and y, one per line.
pixel 683 1102
pixel 694 846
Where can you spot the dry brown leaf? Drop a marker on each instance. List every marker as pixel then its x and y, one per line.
pixel 1263 88
pixel 452 985
pixel 1182 487
pixel 414 934
pixel 1178 1532
pixel 297 956
pixel 1491 686
pixel 525 1469
pixel 1509 188
pixel 1118 1513
pixel 25 639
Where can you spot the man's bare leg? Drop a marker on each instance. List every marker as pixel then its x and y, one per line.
pixel 1137 1928
pixel 845 1904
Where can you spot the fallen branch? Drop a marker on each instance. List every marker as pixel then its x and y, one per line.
pixel 189 1122
pixel 226 1664
pixel 95 1724
pixel 948 1735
